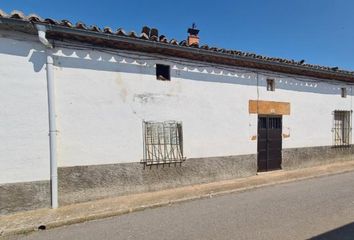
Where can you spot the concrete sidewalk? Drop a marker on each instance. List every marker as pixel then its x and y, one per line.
pixel 25 222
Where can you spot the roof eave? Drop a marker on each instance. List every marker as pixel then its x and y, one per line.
pixel 136 44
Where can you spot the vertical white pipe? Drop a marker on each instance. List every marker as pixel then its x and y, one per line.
pixel 52 129
pixel 51 115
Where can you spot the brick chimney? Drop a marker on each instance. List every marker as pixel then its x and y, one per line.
pixel 193 38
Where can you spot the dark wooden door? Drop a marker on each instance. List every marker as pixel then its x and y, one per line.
pixel 269 142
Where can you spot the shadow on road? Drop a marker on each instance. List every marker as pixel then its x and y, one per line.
pixel 345 232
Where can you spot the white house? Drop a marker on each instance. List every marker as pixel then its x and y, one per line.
pixel 88 113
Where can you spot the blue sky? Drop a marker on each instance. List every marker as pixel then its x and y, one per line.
pixel 319 31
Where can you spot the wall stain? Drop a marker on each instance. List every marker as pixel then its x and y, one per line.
pixel 176 88
pixel 123 91
pixel 146 98
pixel 286 135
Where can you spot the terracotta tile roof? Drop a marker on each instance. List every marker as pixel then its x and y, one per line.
pixel 153 35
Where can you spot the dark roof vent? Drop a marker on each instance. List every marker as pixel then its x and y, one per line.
pixel 193 30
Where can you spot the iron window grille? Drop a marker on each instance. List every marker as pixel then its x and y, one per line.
pixel 273 123
pixel 342 128
pixel 163 142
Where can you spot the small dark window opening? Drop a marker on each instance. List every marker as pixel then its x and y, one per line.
pixel 163 72
pixel 344 92
pixel 270 85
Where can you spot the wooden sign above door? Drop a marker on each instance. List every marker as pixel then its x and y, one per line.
pixel 268 107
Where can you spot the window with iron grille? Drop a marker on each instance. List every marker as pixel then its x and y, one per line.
pixel 163 142
pixel 342 128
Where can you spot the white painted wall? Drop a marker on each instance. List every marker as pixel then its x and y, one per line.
pixel 102 99
pixel 24 148
pixel 311 119
pixel 102 106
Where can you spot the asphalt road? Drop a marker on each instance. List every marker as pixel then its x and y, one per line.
pixel 320 208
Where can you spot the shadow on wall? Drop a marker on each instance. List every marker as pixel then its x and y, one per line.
pixel 36 56
pixel 121 62
pixel 345 232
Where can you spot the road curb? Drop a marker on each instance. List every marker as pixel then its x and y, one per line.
pixel 213 191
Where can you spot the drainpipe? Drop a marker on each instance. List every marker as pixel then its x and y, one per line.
pixel 51 115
